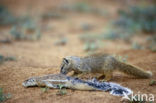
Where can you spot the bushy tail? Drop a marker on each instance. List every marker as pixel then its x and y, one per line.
pixel 132 70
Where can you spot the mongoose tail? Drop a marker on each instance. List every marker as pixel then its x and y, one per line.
pixel 132 70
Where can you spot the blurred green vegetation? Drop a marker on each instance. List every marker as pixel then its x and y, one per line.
pixel 84 7
pixel 132 21
pixel 137 46
pixel 152 82
pixel 151 41
pixel 92 42
pixel 138 18
pixel 4 97
pixel 27 29
pixel 3 59
pixel 6 17
pixel 44 89
pixel 121 58
pixel 23 27
pixel 81 7
pixel 61 41
pixel 62 91
pixel 86 26
pixel 52 15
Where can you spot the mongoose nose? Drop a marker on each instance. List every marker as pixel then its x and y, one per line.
pixel 63 73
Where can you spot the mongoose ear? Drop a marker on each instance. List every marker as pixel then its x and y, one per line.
pixel 65 60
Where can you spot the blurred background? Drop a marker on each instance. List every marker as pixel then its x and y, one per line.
pixel 36 34
pixel 130 21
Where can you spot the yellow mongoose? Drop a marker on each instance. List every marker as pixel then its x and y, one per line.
pixel 103 64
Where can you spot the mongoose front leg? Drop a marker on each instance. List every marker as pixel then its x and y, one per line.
pixel 101 77
pixel 75 74
pixel 108 76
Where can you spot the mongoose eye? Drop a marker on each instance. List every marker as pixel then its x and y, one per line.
pixel 65 60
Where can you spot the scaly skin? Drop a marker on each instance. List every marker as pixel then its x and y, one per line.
pixel 55 80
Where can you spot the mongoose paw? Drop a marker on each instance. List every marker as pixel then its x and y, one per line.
pixel 101 77
pixel 105 80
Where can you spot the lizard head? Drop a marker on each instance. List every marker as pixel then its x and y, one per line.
pixel 66 65
pixel 29 82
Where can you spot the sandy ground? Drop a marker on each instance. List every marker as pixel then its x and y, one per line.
pixel 42 57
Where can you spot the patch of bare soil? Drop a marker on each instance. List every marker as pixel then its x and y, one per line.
pixel 42 57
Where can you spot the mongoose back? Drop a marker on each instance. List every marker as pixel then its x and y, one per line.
pixel 103 64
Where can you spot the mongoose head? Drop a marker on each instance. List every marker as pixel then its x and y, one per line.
pixel 66 65
pixel 29 82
